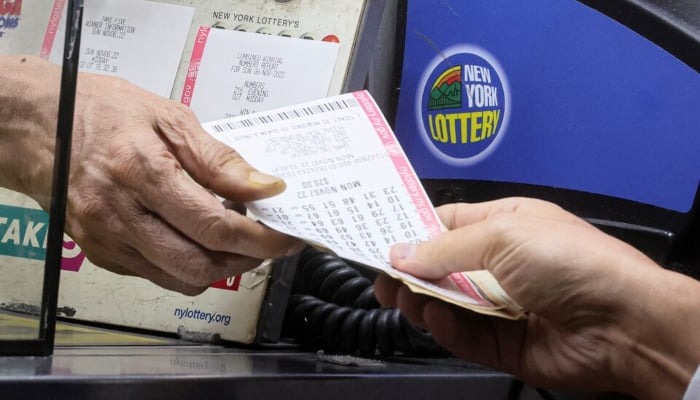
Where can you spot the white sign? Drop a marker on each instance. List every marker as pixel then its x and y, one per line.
pixel 140 41
pixel 238 73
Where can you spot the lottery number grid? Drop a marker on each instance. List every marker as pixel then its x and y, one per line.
pixel 363 224
pixel 358 218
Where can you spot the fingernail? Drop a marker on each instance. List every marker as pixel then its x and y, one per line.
pixel 263 179
pixel 404 250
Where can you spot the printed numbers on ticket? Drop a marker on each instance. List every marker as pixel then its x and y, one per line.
pixel 350 187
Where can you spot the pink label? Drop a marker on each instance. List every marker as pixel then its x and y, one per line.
pixel 195 59
pixel 52 28
pixel 403 167
pixel 232 283
pixel 468 288
pixel 72 258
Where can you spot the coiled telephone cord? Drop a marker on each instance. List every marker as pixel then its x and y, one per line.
pixel 333 308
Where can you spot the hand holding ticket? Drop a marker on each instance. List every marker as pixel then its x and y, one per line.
pixel 350 189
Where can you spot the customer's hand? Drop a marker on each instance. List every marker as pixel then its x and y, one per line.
pixel 602 316
pixel 143 180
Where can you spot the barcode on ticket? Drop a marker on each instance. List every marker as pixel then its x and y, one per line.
pixel 300 112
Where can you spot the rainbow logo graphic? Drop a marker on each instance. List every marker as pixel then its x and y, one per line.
pixel 447 90
pixel 464 105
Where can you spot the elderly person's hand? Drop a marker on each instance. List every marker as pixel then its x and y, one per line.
pixel 143 179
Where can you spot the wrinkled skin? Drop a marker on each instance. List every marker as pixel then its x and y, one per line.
pixel 143 180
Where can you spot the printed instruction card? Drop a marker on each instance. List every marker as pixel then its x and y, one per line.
pixel 350 189
pixel 138 40
pixel 238 73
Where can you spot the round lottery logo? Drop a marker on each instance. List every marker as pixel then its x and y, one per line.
pixel 464 107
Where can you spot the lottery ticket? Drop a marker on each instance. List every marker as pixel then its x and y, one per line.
pixel 350 189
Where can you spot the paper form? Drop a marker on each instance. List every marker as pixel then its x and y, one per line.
pixel 238 73
pixel 350 189
pixel 140 41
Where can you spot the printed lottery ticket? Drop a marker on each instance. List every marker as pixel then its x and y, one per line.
pixel 350 189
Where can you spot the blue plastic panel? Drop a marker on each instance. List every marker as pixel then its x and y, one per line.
pixel 547 92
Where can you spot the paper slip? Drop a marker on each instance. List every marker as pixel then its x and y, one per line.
pixel 238 73
pixel 22 26
pixel 350 189
pixel 140 41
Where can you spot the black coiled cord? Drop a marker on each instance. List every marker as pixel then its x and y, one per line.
pixel 333 308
